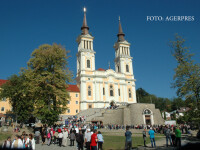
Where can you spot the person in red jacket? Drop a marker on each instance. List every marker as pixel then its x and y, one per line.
pixel 94 140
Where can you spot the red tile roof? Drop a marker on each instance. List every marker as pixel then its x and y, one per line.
pixel 101 69
pixel 2 82
pixel 73 88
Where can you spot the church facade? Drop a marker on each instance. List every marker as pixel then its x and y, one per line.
pixel 98 87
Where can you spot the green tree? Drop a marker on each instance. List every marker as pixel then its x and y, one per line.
pixel 160 103
pixel 49 76
pixel 17 91
pixel 187 73
pixel 177 103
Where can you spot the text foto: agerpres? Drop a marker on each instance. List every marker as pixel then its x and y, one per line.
pixel 170 18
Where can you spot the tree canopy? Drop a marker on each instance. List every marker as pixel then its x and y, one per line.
pixel 41 88
pixel 187 79
pixel 48 75
pixel 19 96
pixel 187 73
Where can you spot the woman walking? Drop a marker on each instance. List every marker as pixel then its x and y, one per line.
pixel 49 137
pixel 100 141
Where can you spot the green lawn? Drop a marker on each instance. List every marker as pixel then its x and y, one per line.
pixel 118 142
pixel 4 136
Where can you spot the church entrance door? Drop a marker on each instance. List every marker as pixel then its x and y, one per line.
pixel 148 119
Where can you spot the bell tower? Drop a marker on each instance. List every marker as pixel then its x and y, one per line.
pixel 123 59
pixel 86 53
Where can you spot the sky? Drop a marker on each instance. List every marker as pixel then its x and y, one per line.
pixel 27 24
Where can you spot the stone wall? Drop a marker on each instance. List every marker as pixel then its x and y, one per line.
pixel 131 114
pixel 113 116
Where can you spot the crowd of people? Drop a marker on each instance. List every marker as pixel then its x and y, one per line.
pixel 172 134
pixel 85 135
pixel 76 131
pixel 20 142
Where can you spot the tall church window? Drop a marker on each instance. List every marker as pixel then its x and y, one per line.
pixel 119 91
pixel 118 68
pixel 87 44
pixel 103 91
pixel 111 91
pixel 88 63
pixel 127 68
pixel 89 91
pixel 129 93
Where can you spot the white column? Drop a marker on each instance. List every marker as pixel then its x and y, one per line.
pixel 152 120
pixel 94 91
pixel 101 91
pixel 84 93
pixel 106 91
pixel 134 94
pixel 93 62
pixel 116 93
pixel 125 93
pixel 121 93
pixel 131 67
pixel 97 91
pixel 82 62
pixel 91 45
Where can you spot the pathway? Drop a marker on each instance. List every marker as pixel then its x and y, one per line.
pixel 55 147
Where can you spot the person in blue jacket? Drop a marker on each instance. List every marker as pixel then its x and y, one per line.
pixel 152 137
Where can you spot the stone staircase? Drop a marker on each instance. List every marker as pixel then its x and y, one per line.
pixel 91 113
pixel 98 114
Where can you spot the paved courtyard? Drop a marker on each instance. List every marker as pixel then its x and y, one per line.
pixel 55 147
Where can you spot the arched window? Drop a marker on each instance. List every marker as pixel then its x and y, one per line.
pixel 127 68
pixel 111 91
pixel 103 91
pixel 89 91
pixel 129 93
pixel 147 112
pixel 118 68
pixel 88 63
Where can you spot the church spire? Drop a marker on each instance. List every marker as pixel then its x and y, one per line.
pixel 120 34
pixel 84 27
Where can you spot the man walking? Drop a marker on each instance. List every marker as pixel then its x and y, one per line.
pixel 168 136
pixel 94 140
pixel 152 137
pixel 178 137
pixel 128 143
pixel 87 139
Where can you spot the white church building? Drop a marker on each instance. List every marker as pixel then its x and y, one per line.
pixel 98 87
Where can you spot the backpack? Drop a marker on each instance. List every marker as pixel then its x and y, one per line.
pixel 48 135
